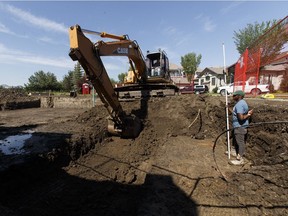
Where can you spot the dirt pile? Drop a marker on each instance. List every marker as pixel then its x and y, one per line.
pixel 17 98
pixel 168 170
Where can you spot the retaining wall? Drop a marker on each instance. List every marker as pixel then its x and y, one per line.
pixel 66 102
pixel 12 105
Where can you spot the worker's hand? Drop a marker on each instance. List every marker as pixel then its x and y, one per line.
pixel 250 112
pixel 228 105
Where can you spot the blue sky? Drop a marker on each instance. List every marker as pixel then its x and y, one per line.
pixel 34 34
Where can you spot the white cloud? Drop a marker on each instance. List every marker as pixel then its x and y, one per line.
pixel 177 37
pixel 230 7
pixel 37 21
pixel 49 40
pixel 11 56
pixel 170 30
pixel 46 40
pixel 208 24
pixel 4 29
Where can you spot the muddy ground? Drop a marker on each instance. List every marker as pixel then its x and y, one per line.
pixel 176 166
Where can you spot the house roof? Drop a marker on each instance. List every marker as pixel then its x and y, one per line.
pixel 180 80
pixel 282 58
pixel 173 66
pixel 212 70
pixel 279 67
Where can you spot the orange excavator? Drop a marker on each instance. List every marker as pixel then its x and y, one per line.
pixel 148 76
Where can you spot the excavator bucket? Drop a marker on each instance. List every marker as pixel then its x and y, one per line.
pixel 130 128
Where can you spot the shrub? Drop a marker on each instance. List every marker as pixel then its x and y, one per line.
pixel 284 83
pixel 214 90
pixel 271 88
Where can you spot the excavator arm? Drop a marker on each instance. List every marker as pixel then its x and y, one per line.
pixel 126 48
pixel 88 55
pixel 123 46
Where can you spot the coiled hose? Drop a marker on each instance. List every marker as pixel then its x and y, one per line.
pixel 250 126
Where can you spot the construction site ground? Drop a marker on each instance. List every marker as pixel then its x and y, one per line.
pixel 176 166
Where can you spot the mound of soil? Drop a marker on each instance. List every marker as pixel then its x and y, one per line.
pixel 176 166
pixel 16 98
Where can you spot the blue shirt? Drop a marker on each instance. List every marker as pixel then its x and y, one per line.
pixel 242 108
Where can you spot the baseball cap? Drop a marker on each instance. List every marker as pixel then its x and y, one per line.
pixel 239 92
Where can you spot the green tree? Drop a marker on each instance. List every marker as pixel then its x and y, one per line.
pixel 42 81
pixel 67 83
pixel 190 63
pixel 77 76
pixel 246 36
pixel 113 82
pixel 121 77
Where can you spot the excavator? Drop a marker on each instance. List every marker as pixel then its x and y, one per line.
pixel 147 75
pixel 151 79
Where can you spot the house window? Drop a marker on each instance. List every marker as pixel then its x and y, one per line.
pixel 213 80
pixel 207 78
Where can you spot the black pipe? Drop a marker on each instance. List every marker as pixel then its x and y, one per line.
pixel 251 125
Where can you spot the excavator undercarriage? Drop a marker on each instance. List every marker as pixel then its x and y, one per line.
pixel 138 91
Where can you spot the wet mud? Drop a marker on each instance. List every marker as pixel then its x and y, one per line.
pixel 75 168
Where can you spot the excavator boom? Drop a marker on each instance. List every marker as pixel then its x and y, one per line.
pixel 105 35
pixel 149 75
pixel 83 50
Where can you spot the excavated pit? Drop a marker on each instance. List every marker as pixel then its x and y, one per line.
pixel 75 168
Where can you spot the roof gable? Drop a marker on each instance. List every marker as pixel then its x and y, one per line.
pixel 212 70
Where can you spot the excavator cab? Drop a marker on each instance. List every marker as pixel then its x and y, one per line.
pixel 157 69
pixel 157 64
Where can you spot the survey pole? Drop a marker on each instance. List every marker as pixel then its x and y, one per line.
pixel 226 102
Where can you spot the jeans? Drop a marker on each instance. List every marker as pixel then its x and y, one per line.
pixel 239 140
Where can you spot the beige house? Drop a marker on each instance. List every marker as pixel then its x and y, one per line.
pixel 274 72
pixel 179 77
pixel 211 76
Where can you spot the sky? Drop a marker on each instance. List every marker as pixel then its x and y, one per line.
pixel 34 34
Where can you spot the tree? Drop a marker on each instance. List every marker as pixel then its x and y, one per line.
pixel 121 77
pixel 246 36
pixel 78 76
pixel 190 63
pixel 284 82
pixel 42 81
pixel 113 82
pixel 67 83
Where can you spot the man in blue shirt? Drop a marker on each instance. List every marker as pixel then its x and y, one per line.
pixel 240 122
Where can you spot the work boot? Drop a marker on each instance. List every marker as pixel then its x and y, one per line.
pixel 239 161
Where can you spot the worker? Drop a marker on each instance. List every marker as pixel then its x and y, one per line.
pixel 240 122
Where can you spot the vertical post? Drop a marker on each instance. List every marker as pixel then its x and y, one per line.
pixel 226 103
pixel 93 97
pixel 258 67
pixel 245 62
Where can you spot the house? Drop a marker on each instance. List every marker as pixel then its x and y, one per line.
pixel 211 76
pixel 275 71
pixel 178 75
pixel 175 70
pixel 272 73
